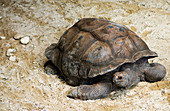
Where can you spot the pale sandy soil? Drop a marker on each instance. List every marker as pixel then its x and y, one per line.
pixel 23 84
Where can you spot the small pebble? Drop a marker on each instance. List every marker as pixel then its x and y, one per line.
pixel 8 45
pixel 18 36
pixel 2 37
pixel 10 52
pixel 131 93
pixel 3 77
pixel 25 40
pixel 12 58
pixel 32 46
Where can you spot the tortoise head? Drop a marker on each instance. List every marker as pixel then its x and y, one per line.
pixel 121 79
pixel 126 78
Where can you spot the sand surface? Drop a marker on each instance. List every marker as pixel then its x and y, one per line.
pixel 24 85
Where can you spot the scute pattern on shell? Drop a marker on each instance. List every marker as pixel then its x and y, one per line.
pixel 94 47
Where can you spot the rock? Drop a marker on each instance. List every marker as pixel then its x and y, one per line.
pixel 25 40
pixel 18 36
pixel 3 77
pixel 2 37
pixel 8 45
pixel 10 52
pixel 12 58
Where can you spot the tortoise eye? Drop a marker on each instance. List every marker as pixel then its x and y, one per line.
pixel 120 77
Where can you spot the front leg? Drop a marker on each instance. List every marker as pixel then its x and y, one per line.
pixel 95 91
pixel 154 72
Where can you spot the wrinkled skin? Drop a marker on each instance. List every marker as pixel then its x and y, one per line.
pixel 95 91
pixel 131 74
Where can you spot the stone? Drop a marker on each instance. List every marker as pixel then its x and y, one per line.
pixel 2 37
pixel 25 40
pixel 12 58
pixel 10 52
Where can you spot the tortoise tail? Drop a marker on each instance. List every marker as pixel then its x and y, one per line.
pixel 52 52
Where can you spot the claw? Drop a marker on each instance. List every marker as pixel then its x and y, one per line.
pixel 72 93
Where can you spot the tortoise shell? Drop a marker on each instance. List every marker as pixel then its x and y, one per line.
pixel 93 47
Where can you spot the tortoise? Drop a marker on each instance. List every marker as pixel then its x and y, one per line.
pixel 99 56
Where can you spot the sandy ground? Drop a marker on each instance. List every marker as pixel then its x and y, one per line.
pixel 24 85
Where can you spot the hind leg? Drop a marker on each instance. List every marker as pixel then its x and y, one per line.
pixel 154 72
pixel 50 68
pixel 52 54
